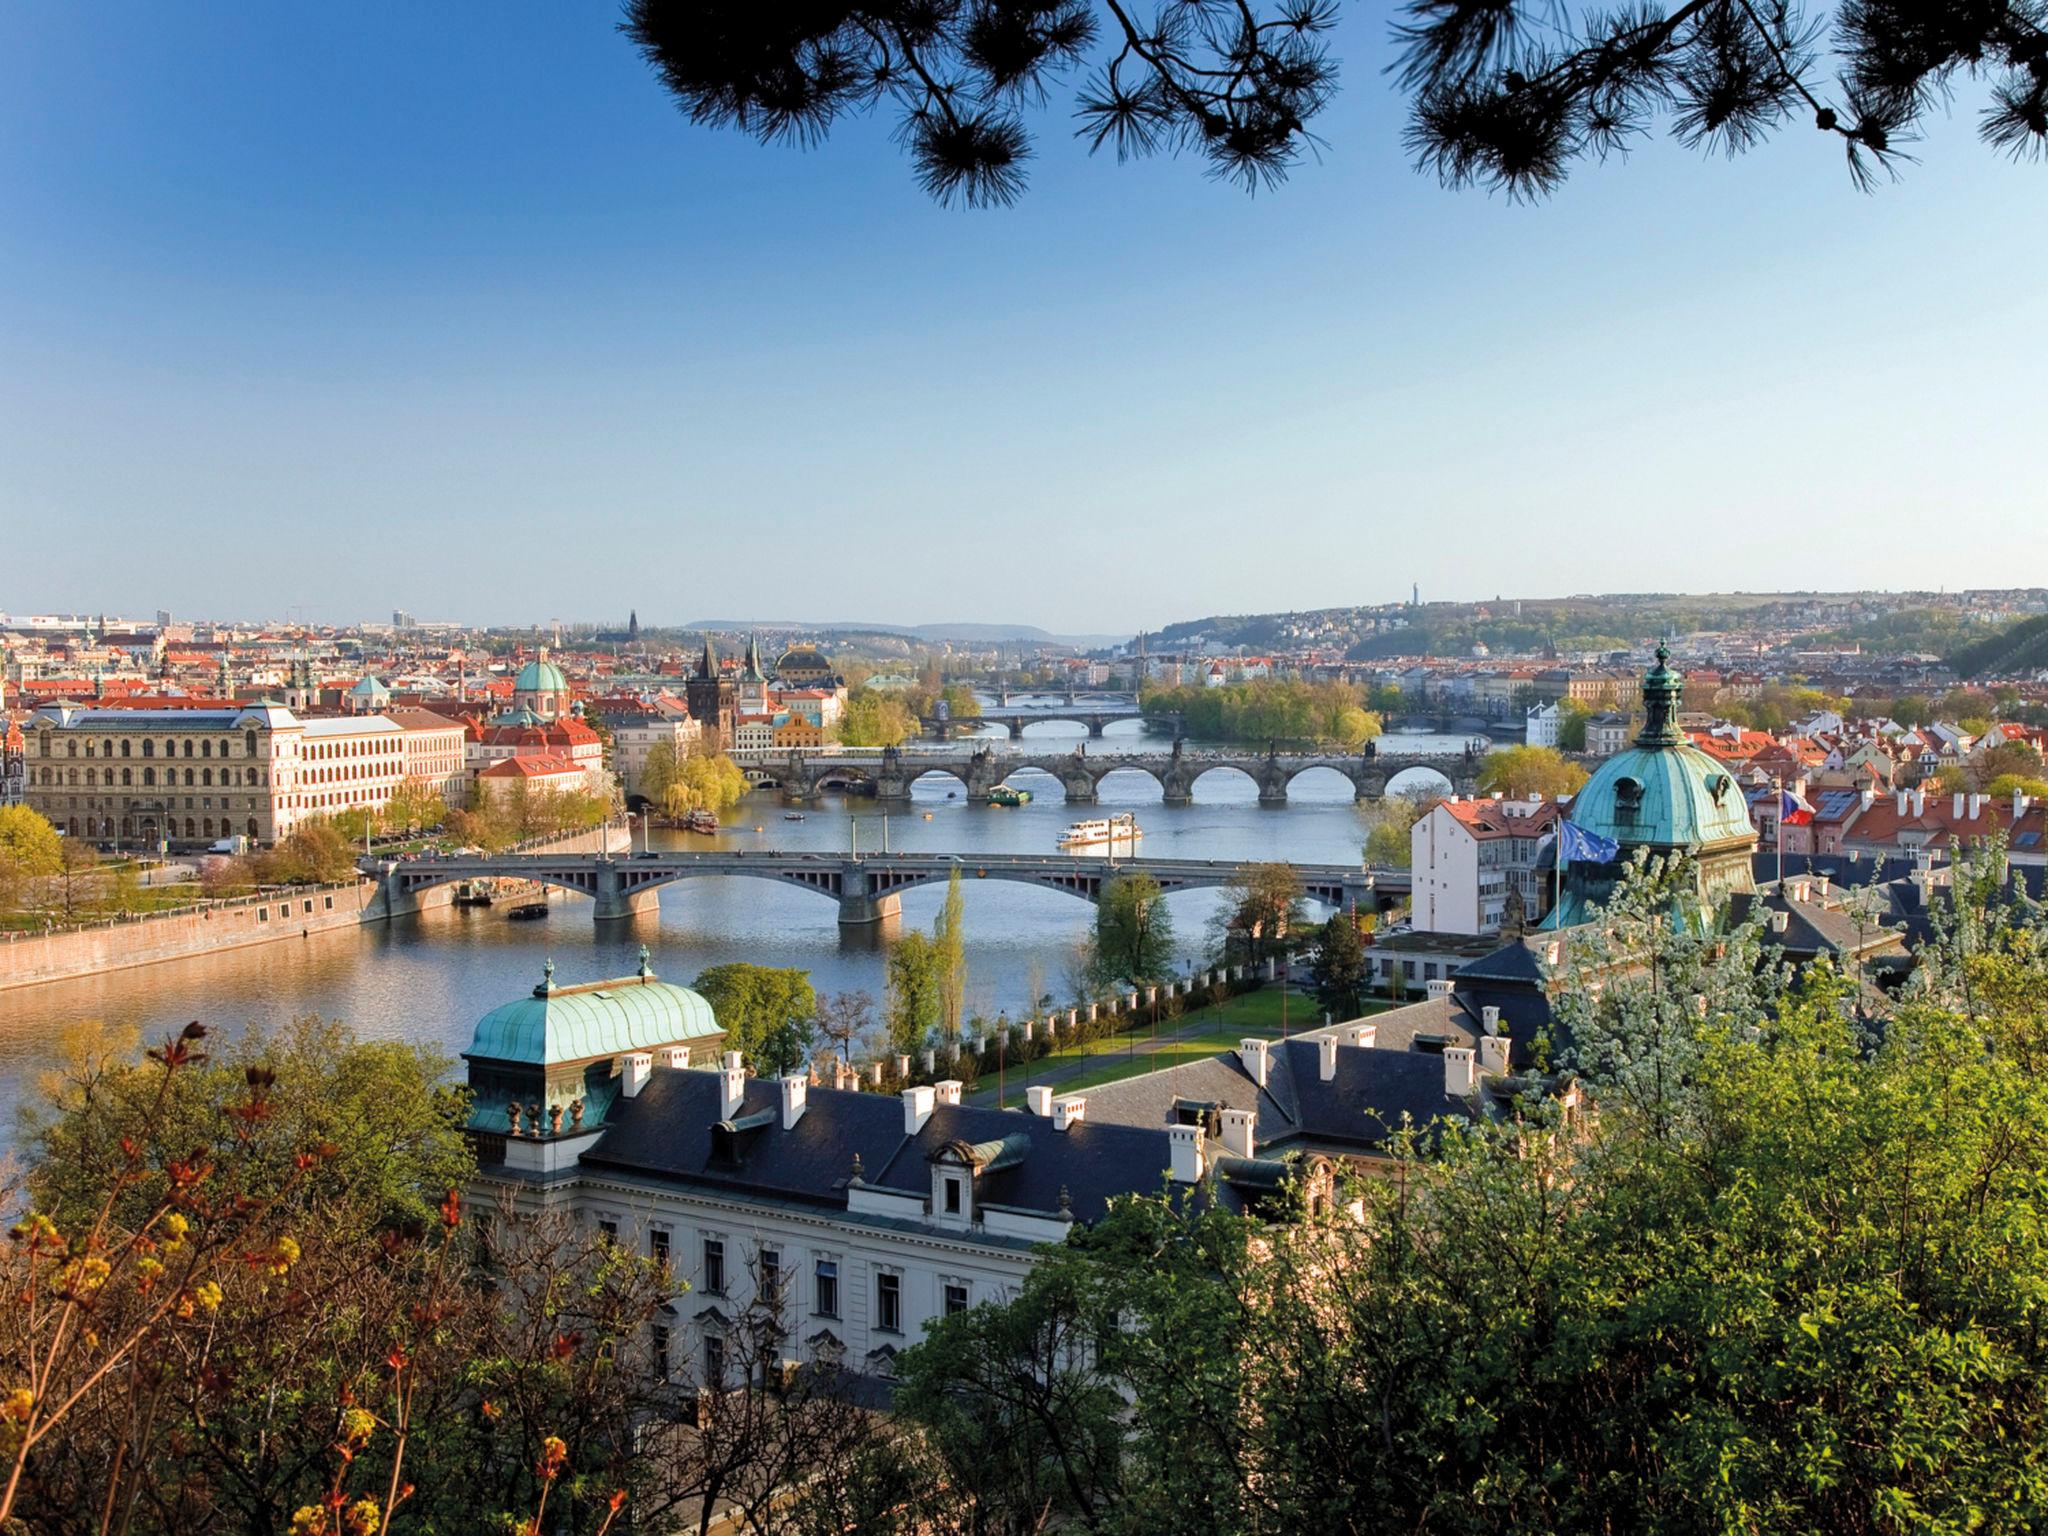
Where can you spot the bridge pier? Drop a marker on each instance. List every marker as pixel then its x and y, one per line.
pixel 614 903
pixel 391 899
pixel 864 911
pixel 1080 789
pixel 1095 724
pixel 1015 728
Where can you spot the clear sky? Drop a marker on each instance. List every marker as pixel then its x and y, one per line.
pixel 446 307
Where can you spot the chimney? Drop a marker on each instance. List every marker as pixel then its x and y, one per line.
pixel 794 1087
pixel 947 1092
pixel 1868 798
pixel 1253 1054
pixel 917 1108
pixel 1439 990
pixel 1238 1126
pixel 1461 1080
pixel 674 1057
pixel 1326 1056
pixel 1977 805
pixel 1919 802
pixel 1489 1016
pixel 1038 1100
pixel 1067 1111
pixel 2020 802
pixel 1956 810
pixel 1184 1142
pixel 1905 806
pixel 1365 1036
pixel 1493 1055
pixel 634 1076
pixel 732 1086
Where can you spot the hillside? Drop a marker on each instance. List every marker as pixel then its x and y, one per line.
pixel 2020 647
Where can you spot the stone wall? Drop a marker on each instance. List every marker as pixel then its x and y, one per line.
pixel 26 959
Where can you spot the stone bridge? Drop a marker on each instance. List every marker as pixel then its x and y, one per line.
pixel 866 886
pixel 944 727
pixel 889 774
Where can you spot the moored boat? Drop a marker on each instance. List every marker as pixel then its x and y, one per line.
pixel 1002 794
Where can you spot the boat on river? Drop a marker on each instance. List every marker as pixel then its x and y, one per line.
pixel 528 911
pixel 1111 832
pixel 700 821
pixel 1002 794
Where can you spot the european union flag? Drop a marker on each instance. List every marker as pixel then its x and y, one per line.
pixel 1576 845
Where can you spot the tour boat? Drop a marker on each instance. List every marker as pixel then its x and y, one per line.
pixel 472 893
pixel 1002 794
pixel 792 815
pixel 700 821
pixel 1102 832
pixel 527 911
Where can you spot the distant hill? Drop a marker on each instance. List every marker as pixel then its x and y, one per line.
pixel 2020 647
pixel 966 634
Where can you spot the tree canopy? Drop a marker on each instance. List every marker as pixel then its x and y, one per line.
pixel 766 1011
pixel 1508 95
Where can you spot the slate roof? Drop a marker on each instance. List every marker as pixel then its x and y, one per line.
pixel 667 1131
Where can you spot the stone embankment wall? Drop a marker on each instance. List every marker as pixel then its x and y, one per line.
pixel 26 959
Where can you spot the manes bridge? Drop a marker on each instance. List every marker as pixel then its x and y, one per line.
pixel 944 727
pixel 888 774
pixel 867 886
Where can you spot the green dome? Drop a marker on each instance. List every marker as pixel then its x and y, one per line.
pixel 603 1018
pixel 1663 792
pixel 1663 796
pixel 540 677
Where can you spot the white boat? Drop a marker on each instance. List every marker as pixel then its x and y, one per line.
pixel 1110 832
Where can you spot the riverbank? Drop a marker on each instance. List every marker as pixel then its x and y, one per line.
pixel 149 938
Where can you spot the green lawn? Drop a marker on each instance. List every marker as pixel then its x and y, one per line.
pixel 1197 1033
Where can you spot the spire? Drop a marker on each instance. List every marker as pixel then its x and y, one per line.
pixel 1662 687
pixel 753 673
pixel 708 667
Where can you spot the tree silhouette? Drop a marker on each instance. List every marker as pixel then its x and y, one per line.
pixel 1504 94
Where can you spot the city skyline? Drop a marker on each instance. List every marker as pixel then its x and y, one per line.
pixel 477 325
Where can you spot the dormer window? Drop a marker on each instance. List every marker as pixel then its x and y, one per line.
pixel 952 1195
pixel 1628 801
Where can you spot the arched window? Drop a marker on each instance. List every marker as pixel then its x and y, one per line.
pixel 206 748
pixel 91 778
pixel 148 747
pixel 207 826
pixel 188 746
pixel 149 775
pixel 191 828
pixel 250 737
pixel 71 749
pixel 126 744
pixel 252 826
pixel 206 777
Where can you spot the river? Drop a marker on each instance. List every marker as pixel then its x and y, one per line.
pixel 430 978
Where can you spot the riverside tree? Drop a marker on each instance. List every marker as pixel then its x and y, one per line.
pixel 1508 95
pixel 767 1012
pixel 1340 972
pixel 1133 933
pixel 949 946
pixel 1521 771
pixel 1260 911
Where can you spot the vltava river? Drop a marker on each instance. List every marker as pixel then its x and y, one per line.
pixel 430 978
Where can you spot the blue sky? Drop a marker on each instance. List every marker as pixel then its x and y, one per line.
pixel 445 307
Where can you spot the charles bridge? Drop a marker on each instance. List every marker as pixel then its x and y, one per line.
pixel 889 773
pixel 867 886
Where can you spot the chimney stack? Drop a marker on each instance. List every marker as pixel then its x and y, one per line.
pixel 794 1088
pixel 947 1092
pixel 1326 1056
pixel 1365 1036
pixel 674 1057
pixel 1184 1142
pixel 1905 802
pixel 1493 1055
pixel 1490 1017
pixel 917 1108
pixel 1238 1127
pixel 1038 1100
pixel 639 1064
pixel 1956 809
pixel 1461 1078
pixel 1253 1054
pixel 732 1086
pixel 1441 989
pixel 1068 1111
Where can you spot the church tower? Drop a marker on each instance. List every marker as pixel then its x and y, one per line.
pixel 713 700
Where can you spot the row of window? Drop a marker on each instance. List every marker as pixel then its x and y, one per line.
pixel 52 777
pixel 103 826
pixel 825 1292
pixel 148 746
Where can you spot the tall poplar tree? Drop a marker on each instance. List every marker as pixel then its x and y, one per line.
pixel 949 944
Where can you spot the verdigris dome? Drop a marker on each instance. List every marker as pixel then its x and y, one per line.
pixel 541 676
pixel 1663 792
pixel 600 1019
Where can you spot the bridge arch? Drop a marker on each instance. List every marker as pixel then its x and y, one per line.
pixel 1326 782
pixel 1420 778
pixel 1230 772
